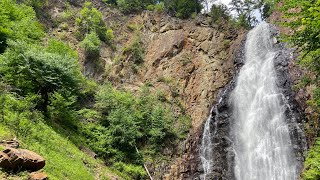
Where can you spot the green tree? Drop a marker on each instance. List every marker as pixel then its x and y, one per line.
pixel 18 21
pixel 183 8
pixel 219 12
pixel 129 6
pixel 33 70
pixel 244 10
pixel 91 20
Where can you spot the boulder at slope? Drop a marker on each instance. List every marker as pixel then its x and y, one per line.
pixel 20 159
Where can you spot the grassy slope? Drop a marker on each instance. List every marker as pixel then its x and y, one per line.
pixel 63 159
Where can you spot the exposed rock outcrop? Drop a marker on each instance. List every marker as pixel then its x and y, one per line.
pixel 20 159
pixel 188 60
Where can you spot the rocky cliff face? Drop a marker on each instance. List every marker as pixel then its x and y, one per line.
pixel 222 119
pixel 189 61
pixel 297 73
pixel 192 60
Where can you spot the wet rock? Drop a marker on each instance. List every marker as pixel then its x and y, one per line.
pixel 20 159
pixel 38 176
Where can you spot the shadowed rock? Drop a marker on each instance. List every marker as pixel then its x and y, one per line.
pixel 20 159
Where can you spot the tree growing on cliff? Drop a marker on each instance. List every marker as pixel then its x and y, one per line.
pixel 129 6
pixel 90 20
pixel 183 8
pixel 244 12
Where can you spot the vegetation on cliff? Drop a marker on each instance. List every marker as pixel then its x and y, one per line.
pixel 304 19
pixel 47 102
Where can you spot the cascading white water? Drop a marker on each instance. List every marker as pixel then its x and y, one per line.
pixel 262 145
pixel 206 151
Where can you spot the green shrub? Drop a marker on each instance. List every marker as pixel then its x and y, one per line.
pixel 61 109
pixel 134 120
pixel 59 47
pixel 109 35
pixel 312 163
pixel 91 20
pixel 151 7
pixel 135 172
pixel 219 12
pixel 129 6
pixel 91 44
pixel 36 3
pixel 159 7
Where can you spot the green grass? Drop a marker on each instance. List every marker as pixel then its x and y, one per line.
pixel 5 133
pixel 63 158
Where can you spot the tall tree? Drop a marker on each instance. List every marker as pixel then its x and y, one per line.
pixel 244 11
pixel 208 4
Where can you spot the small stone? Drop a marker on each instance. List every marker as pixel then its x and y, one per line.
pixel 10 144
pixel 38 176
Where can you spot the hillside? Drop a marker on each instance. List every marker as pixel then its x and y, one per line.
pixel 106 89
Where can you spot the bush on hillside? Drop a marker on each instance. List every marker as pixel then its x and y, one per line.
pixel 91 44
pixel 90 20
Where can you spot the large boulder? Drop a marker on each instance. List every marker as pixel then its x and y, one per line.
pixel 20 159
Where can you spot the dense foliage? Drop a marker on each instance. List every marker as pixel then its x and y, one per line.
pixel 312 163
pixel 43 90
pixel 304 20
pixel 129 6
pixel 179 8
pixel 91 44
pixel 90 20
pixel 183 8
pixel 18 21
pixel 126 122
pixel 219 12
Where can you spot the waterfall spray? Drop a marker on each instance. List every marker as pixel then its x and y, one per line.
pixel 263 149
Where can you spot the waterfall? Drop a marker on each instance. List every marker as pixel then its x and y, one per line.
pixel 252 132
pixel 262 145
pixel 206 147
pixel 209 132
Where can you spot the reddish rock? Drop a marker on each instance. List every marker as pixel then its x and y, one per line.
pixel 20 159
pixel 38 176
